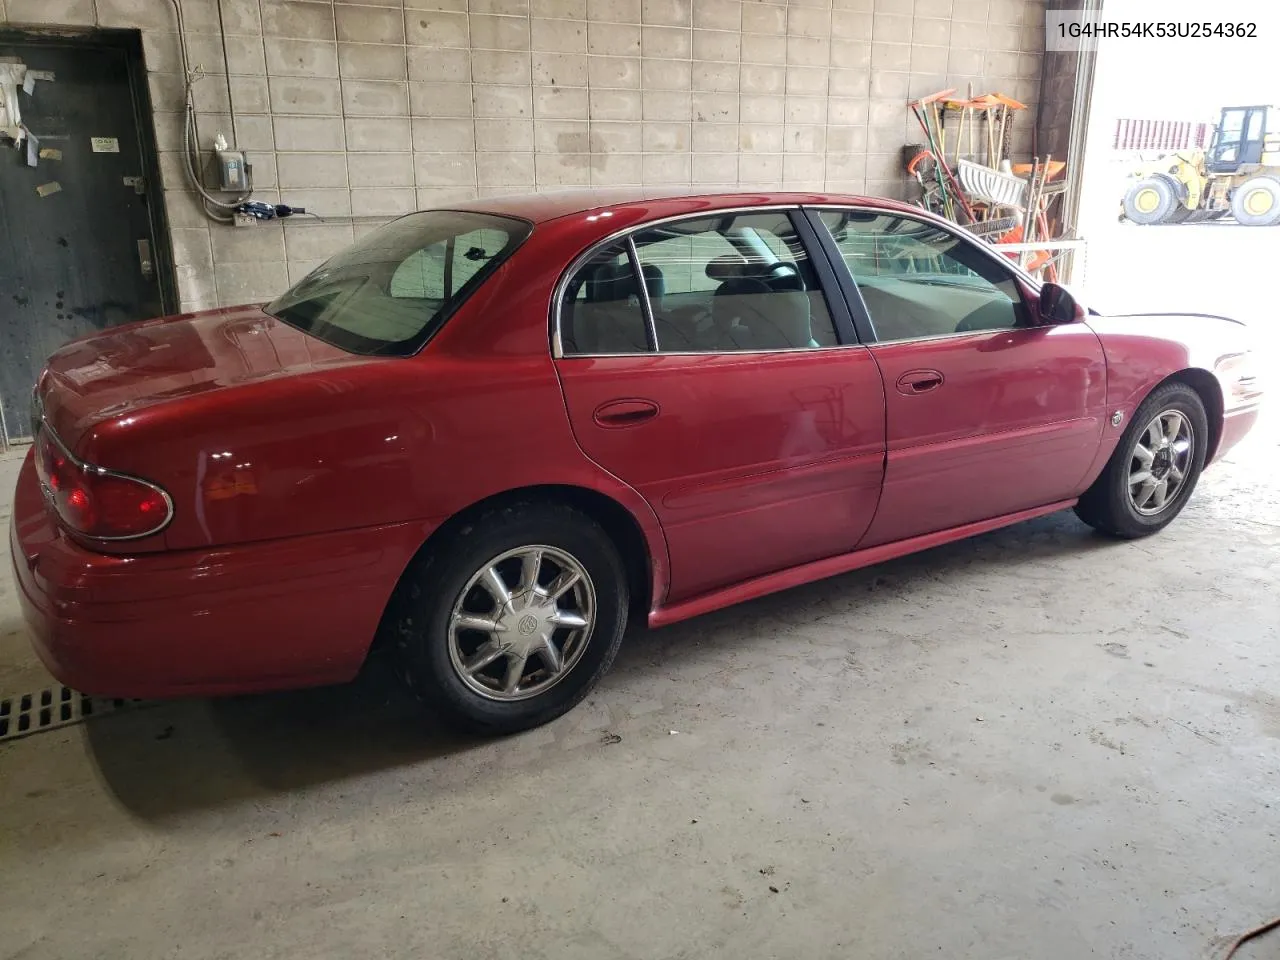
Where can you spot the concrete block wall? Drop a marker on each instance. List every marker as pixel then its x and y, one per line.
pixel 364 109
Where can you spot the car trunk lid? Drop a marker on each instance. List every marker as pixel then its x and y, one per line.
pixel 123 371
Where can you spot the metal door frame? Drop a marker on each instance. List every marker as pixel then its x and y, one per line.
pixel 130 43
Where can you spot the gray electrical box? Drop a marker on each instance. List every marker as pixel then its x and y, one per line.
pixel 232 175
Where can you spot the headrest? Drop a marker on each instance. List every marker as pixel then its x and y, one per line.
pixel 617 282
pixel 600 285
pixel 655 283
pixel 727 267
pixel 730 266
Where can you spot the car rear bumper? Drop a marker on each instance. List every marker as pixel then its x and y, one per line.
pixel 262 616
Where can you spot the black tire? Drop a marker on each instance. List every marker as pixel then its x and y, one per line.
pixel 1151 201
pixel 1108 505
pixel 422 613
pixel 1256 202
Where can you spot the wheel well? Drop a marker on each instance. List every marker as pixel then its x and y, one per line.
pixel 1177 186
pixel 1206 386
pixel 614 518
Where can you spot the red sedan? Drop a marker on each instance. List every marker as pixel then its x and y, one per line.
pixel 486 436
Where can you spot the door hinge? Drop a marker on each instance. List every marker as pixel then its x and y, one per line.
pixel 144 259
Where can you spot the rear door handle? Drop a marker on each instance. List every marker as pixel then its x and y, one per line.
pixel 625 413
pixel 914 382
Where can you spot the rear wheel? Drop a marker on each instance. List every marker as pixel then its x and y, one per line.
pixel 1256 202
pixel 1150 201
pixel 512 621
pixel 1154 468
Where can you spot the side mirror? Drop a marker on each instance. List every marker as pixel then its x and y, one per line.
pixel 1057 305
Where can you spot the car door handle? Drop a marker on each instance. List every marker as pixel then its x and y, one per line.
pixel 625 413
pixel 914 382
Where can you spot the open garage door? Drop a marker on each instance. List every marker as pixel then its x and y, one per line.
pixel 1171 119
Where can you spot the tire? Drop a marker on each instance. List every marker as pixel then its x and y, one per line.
pixel 450 579
pixel 1151 201
pixel 1121 507
pixel 1256 202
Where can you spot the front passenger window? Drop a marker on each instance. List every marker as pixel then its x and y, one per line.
pixel 919 280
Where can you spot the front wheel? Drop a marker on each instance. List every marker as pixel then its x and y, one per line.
pixel 1151 201
pixel 511 621
pixel 1154 468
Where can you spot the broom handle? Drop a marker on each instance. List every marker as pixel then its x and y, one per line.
pixel 922 118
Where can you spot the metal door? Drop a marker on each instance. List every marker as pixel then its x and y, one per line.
pixel 985 424
pixel 1255 128
pixel 1225 154
pixel 754 460
pixel 987 413
pixel 78 247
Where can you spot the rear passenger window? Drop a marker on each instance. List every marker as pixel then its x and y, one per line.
pixel 737 282
pixel 601 310
pixel 730 283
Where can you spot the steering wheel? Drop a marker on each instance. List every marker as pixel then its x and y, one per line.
pixel 784 276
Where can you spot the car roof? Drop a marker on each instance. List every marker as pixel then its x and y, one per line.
pixel 542 207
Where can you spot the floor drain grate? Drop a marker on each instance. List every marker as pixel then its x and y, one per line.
pixel 28 713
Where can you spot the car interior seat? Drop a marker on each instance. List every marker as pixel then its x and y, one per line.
pixel 749 313
pixel 610 318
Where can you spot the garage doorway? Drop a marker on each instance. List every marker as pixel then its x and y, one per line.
pixel 1151 99
pixel 83 235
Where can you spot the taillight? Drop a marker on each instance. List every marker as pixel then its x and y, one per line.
pixel 95 502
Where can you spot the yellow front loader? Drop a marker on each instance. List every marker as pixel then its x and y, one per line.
pixel 1239 174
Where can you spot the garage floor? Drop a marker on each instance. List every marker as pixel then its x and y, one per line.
pixel 1036 744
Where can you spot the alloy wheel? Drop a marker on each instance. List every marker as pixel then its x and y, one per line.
pixel 521 623
pixel 1161 462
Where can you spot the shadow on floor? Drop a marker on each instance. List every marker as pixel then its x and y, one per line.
pixel 166 758
pixel 162 760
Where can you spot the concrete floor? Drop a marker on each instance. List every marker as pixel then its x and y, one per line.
pixel 1035 744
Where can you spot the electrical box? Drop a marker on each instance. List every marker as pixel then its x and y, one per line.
pixel 232 175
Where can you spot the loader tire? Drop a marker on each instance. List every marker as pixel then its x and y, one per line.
pixel 1256 202
pixel 1151 201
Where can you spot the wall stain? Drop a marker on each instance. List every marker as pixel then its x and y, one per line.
pixel 573 143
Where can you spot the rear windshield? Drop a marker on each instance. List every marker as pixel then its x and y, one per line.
pixel 387 294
